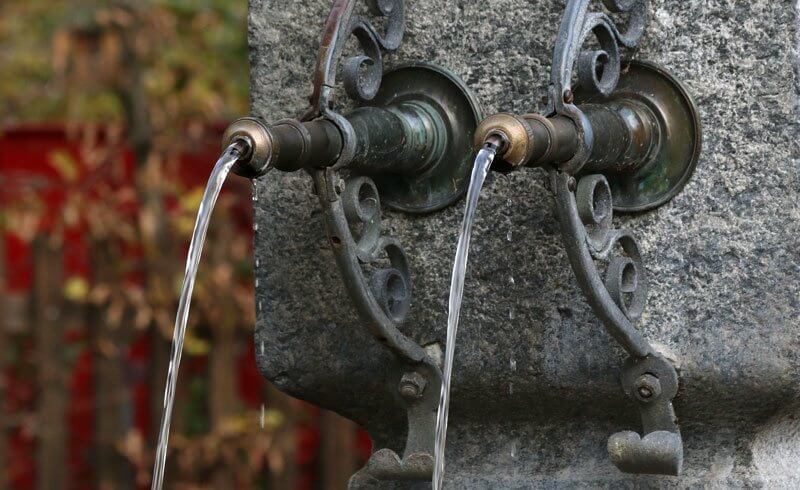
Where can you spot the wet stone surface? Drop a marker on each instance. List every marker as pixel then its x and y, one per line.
pixel 722 259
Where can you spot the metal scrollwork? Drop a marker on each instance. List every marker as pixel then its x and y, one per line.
pixel 352 218
pixel 352 206
pixel 585 212
pixel 362 73
pixel 391 285
pixel 625 277
pixel 374 267
pixel 585 216
pixel 598 70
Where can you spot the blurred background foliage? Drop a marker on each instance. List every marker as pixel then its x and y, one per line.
pixel 74 59
pixel 137 86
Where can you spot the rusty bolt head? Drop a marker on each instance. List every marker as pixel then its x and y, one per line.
pixel 412 385
pixel 339 186
pixel 647 387
pixel 572 184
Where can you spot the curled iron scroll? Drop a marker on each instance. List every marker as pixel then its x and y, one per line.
pixel 361 73
pixel 352 220
pixel 598 69
pixel 625 277
pixel 352 209
pixel 585 217
pixel 390 283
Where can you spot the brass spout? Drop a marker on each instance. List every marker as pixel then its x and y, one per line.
pixel 513 131
pixel 624 133
pixel 529 140
pixel 404 139
pixel 645 138
pixel 287 145
pixel 413 140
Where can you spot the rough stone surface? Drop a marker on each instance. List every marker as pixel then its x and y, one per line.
pixel 535 390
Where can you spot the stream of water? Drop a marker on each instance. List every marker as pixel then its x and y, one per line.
pixel 213 188
pixel 481 168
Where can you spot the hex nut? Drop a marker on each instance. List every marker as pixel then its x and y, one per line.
pixel 647 387
pixel 412 385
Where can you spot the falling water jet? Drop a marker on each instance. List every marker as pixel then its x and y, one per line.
pixel 230 156
pixel 479 172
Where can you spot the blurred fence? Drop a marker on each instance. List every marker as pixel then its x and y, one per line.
pixel 83 344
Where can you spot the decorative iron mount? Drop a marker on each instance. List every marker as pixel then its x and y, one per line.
pixel 628 139
pixel 409 143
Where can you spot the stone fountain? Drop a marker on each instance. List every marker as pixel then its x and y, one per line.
pixel 536 387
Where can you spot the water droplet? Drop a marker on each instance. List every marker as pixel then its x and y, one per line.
pixel 263 416
pixel 258 263
pixel 512 314
pixel 511 279
pixel 262 348
pixel 256 282
pixel 508 235
pixel 510 388
pixel 255 226
pixel 514 449
pixel 513 364
pixel 259 305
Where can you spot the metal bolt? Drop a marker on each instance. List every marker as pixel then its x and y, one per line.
pixel 647 387
pixel 569 97
pixel 412 385
pixel 339 186
pixel 572 184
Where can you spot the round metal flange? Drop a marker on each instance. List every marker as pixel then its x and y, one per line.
pixel 445 180
pixel 664 176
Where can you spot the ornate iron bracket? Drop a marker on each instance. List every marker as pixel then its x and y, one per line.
pixel 585 210
pixel 352 211
pixel 585 213
pixel 628 138
pixel 384 300
pixel 407 144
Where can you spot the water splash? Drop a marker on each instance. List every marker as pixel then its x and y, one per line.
pixel 481 168
pixel 218 175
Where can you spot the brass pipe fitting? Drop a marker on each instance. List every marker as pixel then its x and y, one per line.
pixel 625 135
pixel 529 140
pixel 516 134
pixel 258 155
pixel 405 139
pixel 287 145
